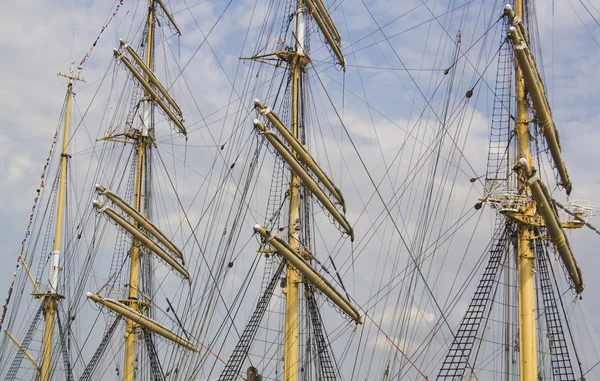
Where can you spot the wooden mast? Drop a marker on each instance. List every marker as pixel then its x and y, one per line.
pixel 290 362
pixel 143 231
pixel 302 169
pixel 144 139
pixel 131 308
pixel 50 299
pixel 525 256
pixel 537 210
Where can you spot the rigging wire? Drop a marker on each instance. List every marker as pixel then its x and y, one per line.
pixel 402 238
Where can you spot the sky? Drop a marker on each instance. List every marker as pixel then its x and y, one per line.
pixel 386 114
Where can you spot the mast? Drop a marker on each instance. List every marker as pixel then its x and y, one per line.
pixel 303 170
pixel 538 210
pixel 144 233
pixel 50 299
pixel 525 257
pixel 298 62
pixel 143 141
pixel 530 208
pixel 306 173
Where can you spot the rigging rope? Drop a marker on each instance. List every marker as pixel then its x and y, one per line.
pixel 87 55
pixel 28 231
pixel 576 216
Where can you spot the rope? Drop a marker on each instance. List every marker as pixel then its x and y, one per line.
pixel 28 231
pixel 87 55
pixel 575 216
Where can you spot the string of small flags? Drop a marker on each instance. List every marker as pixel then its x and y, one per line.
pixel 87 55
pixel 28 233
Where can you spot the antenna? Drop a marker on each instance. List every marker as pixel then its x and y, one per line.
pixel 73 50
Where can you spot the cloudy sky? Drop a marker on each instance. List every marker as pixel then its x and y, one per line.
pixel 392 99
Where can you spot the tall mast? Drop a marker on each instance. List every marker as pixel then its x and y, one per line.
pixel 50 299
pixel 525 257
pixel 538 210
pixel 144 233
pixel 143 140
pixel 290 362
pixel 531 209
pixel 304 172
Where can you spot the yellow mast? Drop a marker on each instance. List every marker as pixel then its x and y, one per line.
pixel 142 230
pixel 525 256
pixel 300 161
pixel 131 308
pixel 50 299
pixel 290 362
pixel 536 210
pixel 143 140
